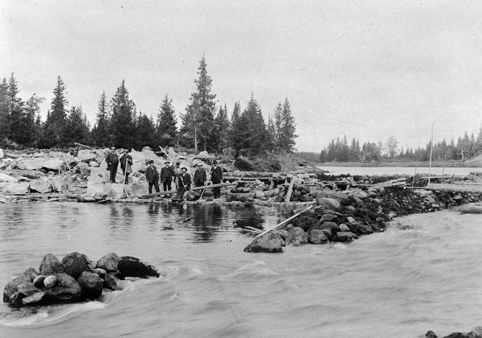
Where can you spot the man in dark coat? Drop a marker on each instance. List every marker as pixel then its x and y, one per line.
pixel 152 177
pixel 112 162
pixel 167 173
pixel 199 175
pixel 184 183
pixel 216 178
pixel 126 165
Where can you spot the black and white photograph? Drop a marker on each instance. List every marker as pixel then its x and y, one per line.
pixel 248 169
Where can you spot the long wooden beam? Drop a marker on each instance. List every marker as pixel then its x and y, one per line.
pixel 195 188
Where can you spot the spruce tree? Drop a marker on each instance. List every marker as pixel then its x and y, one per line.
pixel 278 125
pixel 166 129
pixel 17 118
pixel 77 127
pixel 101 131
pixel 54 131
pixel 145 134
pixel 4 115
pixel 236 130
pixel 221 131
pixel 122 126
pixel 33 125
pixel 288 129
pixel 271 134
pixel 253 128
pixel 199 122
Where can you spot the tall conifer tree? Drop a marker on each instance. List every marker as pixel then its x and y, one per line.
pixel 199 120
pixel 166 130
pixel 54 131
pixel 101 131
pixel 122 126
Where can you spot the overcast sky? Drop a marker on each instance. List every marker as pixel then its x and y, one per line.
pixel 365 69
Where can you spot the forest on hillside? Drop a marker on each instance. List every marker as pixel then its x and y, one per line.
pixel 204 124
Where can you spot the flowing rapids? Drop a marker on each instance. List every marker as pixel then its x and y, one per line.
pixel 399 283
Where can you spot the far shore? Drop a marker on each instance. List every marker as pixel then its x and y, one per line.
pixel 425 164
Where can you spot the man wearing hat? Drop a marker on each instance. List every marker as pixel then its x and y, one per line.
pixel 199 175
pixel 167 173
pixel 126 165
pixel 184 183
pixel 216 178
pixel 152 176
pixel 112 162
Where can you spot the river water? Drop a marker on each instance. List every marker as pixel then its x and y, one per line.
pixel 399 283
pixel 449 171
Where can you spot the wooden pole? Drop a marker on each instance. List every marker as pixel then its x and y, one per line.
pixel 196 188
pixel 290 189
pixel 443 169
pixel 285 221
pixel 430 166
pixel 84 146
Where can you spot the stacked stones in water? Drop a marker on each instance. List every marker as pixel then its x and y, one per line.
pixel 345 216
pixel 75 279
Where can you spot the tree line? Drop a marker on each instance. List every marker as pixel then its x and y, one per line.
pixel 204 125
pixel 340 150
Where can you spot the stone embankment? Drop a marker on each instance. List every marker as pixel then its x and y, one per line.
pixel 476 332
pixel 343 216
pixel 74 279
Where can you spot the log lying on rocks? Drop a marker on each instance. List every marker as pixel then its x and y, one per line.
pixel 75 279
pixel 195 188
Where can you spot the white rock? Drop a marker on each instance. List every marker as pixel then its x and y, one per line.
pixel 93 164
pixel 52 164
pixel 50 281
pixel 86 155
pixel 7 178
pixel 17 188
pixel 40 185
pixel 1 153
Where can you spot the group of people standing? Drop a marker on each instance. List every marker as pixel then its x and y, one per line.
pixel 169 174
pixel 181 178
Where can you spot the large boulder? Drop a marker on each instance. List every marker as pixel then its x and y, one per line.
pixel 111 282
pixel 91 285
pixel 7 178
pixel 63 183
pixel 50 265
pixel 83 169
pixel 40 185
pixel 86 156
pixel 327 203
pixel 297 236
pixel 271 242
pixel 17 188
pixel 75 263
pixel 67 290
pixel 12 287
pixel 134 267
pixel 52 164
pixel 109 262
pixel 317 236
pixel 345 236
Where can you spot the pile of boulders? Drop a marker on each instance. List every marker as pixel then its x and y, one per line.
pixel 343 216
pixel 476 332
pixel 74 279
